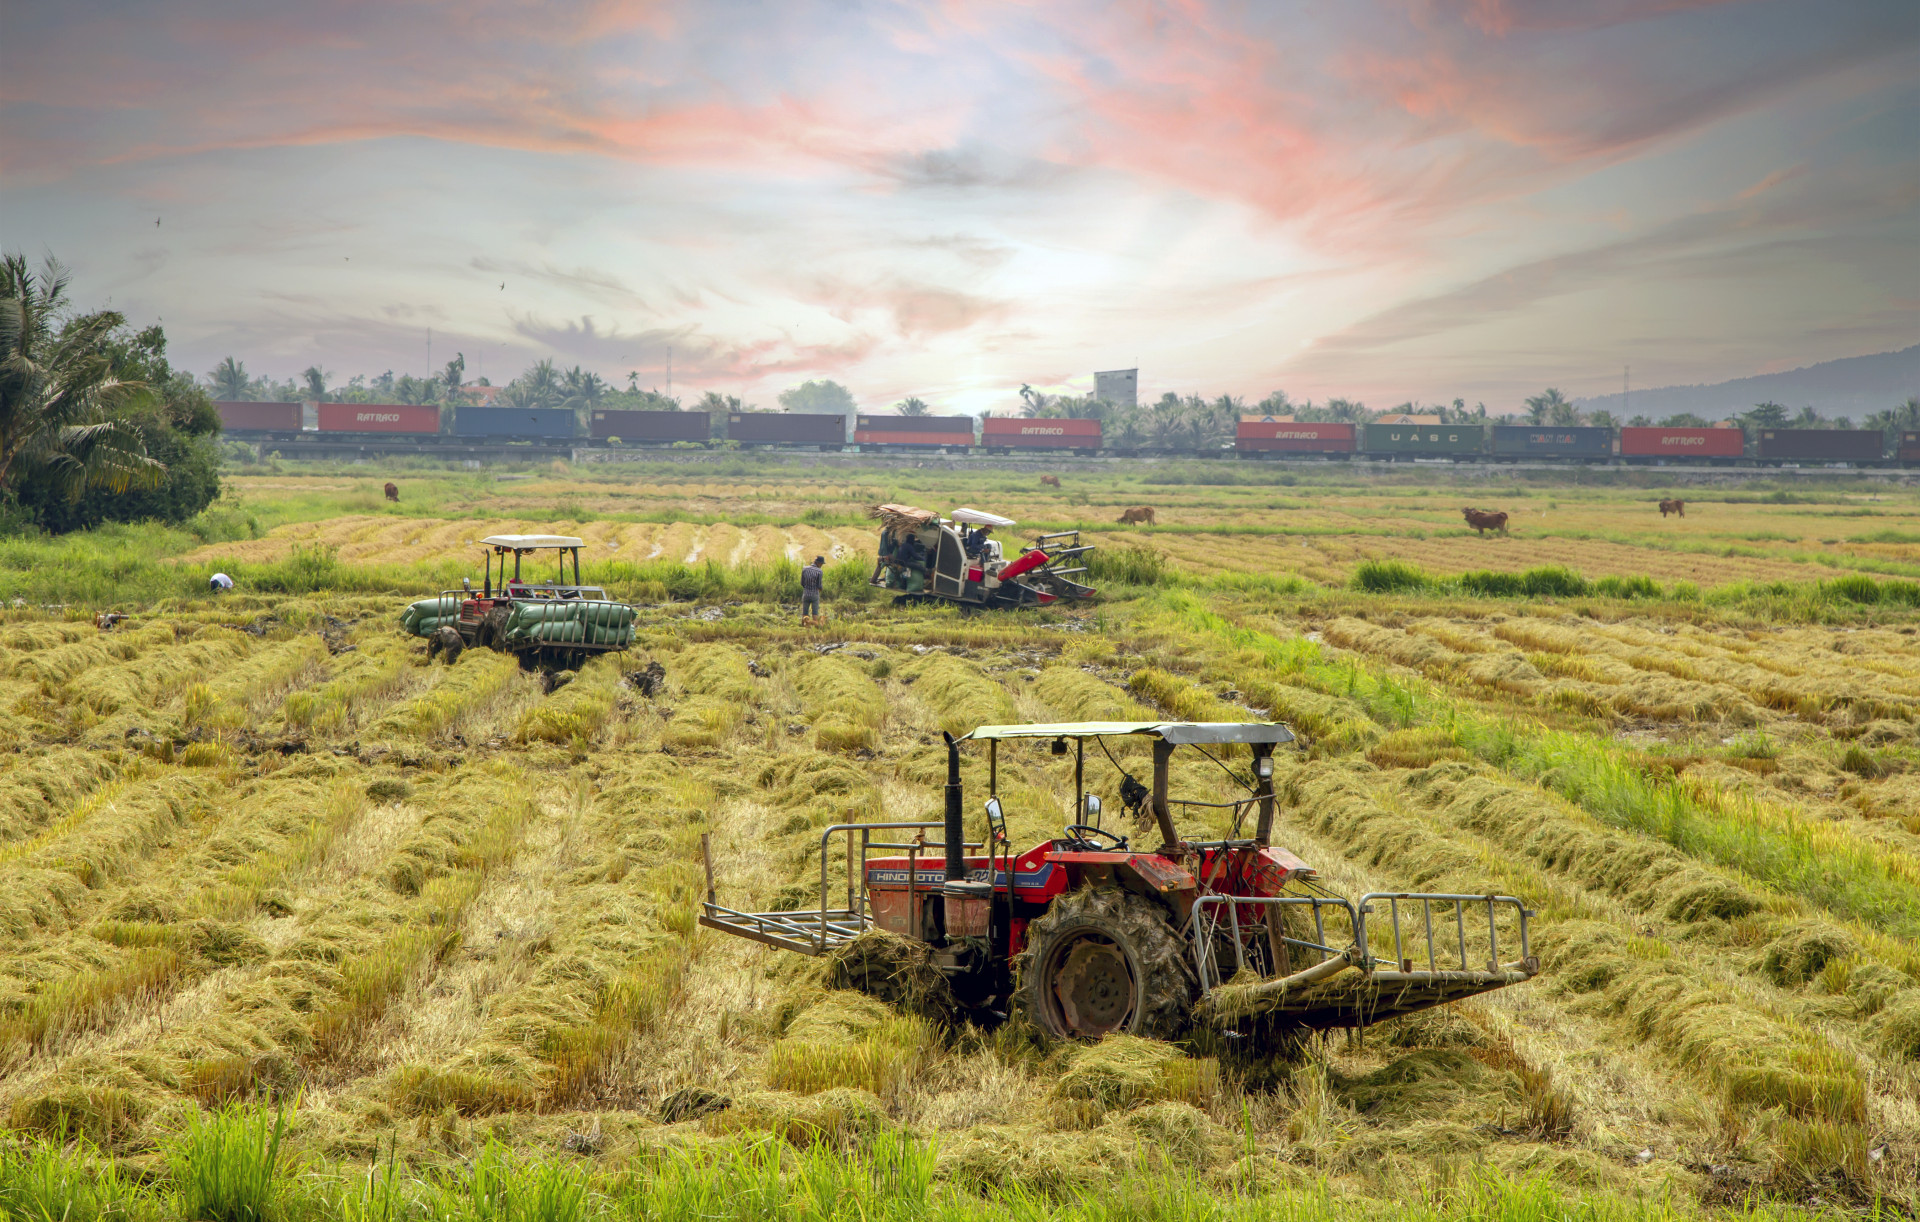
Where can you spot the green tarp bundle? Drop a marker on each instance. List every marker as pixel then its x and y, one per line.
pixel 556 622
pixel 572 622
pixel 429 614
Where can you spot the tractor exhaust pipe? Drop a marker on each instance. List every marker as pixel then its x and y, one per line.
pixel 955 831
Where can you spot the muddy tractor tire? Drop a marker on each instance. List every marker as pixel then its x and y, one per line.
pixel 1104 960
pixel 445 642
pixel 492 632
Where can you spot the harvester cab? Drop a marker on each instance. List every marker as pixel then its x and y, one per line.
pixel 553 621
pixel 1090 933
pixel 926 558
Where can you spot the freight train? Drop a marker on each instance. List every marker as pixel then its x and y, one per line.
pixel 1630 446
pixel 380 423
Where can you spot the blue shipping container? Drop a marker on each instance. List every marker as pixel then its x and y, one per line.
pixel 1549 441
pixel 545 423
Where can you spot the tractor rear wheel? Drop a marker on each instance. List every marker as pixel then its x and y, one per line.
pixel 1104 960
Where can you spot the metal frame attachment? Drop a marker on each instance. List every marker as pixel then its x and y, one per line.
pixel 815 931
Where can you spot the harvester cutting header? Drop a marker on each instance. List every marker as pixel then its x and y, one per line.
pixel 927 558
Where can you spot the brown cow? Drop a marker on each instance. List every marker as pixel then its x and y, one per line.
pixel 1667 507
pixel 1484 521
pixel 393 492
pixel 1139 513
pixel 1049 481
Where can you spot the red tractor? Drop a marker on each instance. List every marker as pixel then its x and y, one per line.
pixel 1088 934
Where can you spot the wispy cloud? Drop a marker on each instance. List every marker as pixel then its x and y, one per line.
pixel 1240 194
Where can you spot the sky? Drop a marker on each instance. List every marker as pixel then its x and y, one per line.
pixel 1386 200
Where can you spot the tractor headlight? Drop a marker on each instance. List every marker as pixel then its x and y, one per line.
pixel 1263 767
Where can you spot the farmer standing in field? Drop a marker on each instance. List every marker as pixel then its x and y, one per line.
pixel 810 589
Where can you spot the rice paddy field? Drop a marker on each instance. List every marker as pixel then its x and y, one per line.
pixel 300 924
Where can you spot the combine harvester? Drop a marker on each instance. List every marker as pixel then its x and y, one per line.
pixel 550 623
pixel 1087 934
pixel 926 559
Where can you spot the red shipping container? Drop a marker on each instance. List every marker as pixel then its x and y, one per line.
pixel 1909 450
pixel 1040 434
pixel 243 417
pixel 1294 437
pixel 1682 443
pixel 378 418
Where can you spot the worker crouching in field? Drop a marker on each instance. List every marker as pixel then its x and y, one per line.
pixel 810 578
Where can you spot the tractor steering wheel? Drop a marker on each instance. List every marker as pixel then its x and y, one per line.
pixel 1083 832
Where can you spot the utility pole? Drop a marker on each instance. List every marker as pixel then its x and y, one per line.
pixel 1624 404
pixel 669 371
pixel 429 351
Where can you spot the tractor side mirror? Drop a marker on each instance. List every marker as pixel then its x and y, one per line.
pixel 996 820
pixel 1091 815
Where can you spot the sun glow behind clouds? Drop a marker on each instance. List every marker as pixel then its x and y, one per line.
pixel 1381 199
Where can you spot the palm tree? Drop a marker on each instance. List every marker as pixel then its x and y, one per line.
pixel 230 380
pixel 913 407
pixel 1765 416
pixel 1550 407
pixel 59 397
pixel 543 383
pixel 582 389
pixel 1806 418
pixel 1166 422
pixel 316 382
pixel 454 375
pixel 519 393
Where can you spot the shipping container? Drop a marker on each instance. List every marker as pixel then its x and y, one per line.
pixel 1292 437
pixel 1822 445
pixel 533 423
pixel 1909 452
pixel 1516 441
pixel 925 431
pixel 378 418
pixel 794 429
pixel 1014 432
pixel 640 428
pixel 240 417
pixel 1456 441
pixel 1644 442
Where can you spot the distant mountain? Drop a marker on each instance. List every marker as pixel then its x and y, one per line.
pixel 1854 386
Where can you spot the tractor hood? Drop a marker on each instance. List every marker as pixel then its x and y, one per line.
pixel 1178 733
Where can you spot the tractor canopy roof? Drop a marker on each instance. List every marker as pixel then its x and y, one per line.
pixel 528 543
pixel 980 517
pixel 1179 733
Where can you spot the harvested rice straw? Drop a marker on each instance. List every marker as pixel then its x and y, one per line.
pixel 961 695
pixel 108 837
pixel 34 789
pixel 463 690
pixel 576 712
pixel 723 691
pixel 156 675
pixel 60 664
pixel 843 705
pixel 361 678
pixel 232 692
